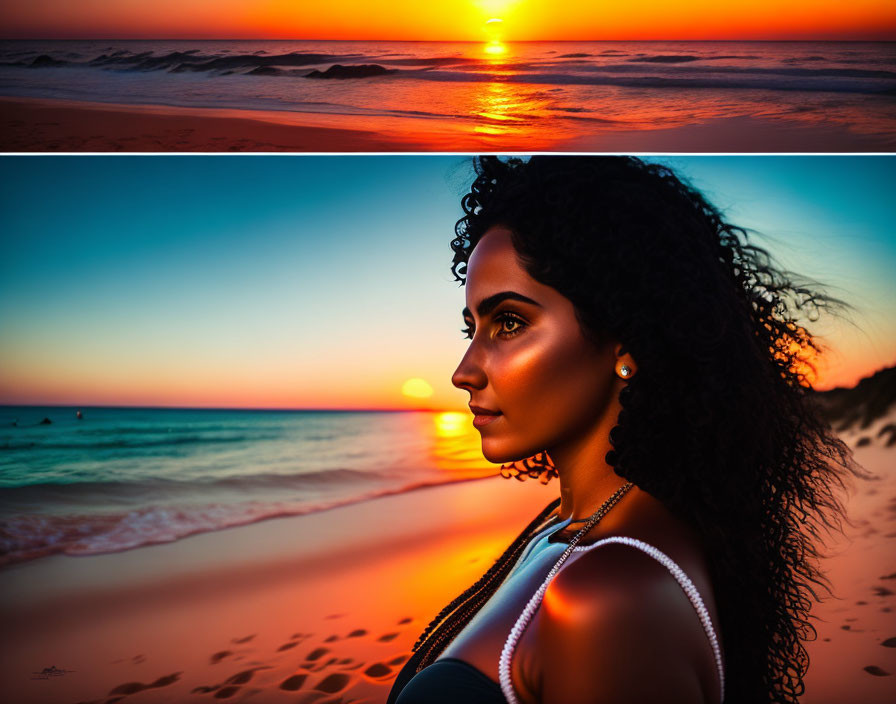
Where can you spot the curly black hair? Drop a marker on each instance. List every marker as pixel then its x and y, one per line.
pixel 719 422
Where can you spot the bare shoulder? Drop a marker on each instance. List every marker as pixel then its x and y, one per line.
pixel 616 627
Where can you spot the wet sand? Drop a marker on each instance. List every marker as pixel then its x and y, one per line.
pixel 317 608
pixel 36 125
pixel 42 125
pixel 325 607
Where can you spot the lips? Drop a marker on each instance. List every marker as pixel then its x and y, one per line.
pixel 483 416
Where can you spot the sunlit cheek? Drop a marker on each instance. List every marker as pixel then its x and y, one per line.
pixel 518 380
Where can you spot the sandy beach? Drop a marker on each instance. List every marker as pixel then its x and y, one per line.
pixel 35 125
pixel 325 607
pixel 43 125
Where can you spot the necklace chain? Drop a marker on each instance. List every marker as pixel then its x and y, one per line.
pixel 592 521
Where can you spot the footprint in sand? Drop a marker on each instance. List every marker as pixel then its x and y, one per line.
pixel 134 687
pixel 378 671
pixel 334 616
pixel 354 634
pixel 876 671
pixel 287 646
pixel 889 643
pixel 403 621
pixel 387 637
pixel 317 653
pixel 333 683
pixel 226 692
pixel 291 684
pixel 243 677
pixel 219 656
pixel 137 659
pixel 231 685
pixel 240 641
pixel 882 591
pixel 322 666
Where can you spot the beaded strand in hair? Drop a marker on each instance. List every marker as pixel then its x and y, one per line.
pixel 458 612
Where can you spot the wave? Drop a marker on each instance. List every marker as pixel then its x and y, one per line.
pixel 128 443
pixel 815 80
pixel 667 59
pixel 25 537
pixel 190 60
pixel 687 58
pixel 44 492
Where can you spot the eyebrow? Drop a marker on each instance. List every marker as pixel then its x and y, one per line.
pixel 487 305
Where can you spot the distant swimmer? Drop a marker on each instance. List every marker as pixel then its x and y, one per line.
pixel 45 421
pixel 79 415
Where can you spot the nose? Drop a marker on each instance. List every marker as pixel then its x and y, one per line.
pixel 469 374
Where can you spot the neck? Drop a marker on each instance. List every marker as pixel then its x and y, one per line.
pixel 586 480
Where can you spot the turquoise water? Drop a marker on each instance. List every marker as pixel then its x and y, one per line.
pixel 119 478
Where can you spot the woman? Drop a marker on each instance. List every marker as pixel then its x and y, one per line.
pixel 632 340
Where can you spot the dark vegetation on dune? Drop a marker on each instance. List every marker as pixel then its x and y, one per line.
pixel 867 401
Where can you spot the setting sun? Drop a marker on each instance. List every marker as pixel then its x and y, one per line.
pixel 495 8
pixel 416 388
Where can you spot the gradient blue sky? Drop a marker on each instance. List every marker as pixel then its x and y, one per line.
pixel 303 281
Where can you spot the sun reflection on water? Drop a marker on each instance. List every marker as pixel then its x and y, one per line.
pixel 456 446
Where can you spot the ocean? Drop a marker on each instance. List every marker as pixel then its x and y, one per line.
pixel 121 478
pixel 557 89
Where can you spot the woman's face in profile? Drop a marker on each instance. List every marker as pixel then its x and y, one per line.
pixel 528 361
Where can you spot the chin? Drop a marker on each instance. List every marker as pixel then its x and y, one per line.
pixel 498 452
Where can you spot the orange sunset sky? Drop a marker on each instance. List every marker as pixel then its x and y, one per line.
pixel 521 20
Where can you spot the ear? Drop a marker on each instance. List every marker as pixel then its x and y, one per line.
pixel 626 367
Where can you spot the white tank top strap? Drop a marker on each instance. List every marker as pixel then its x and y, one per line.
pixel 683 580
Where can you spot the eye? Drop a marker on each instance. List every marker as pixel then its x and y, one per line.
pixel 511 324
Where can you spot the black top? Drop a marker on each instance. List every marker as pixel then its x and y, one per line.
pixel 445 681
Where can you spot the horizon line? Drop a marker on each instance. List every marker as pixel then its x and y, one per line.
pixel 233 408
pixel 424 41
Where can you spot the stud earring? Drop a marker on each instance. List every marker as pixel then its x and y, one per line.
pixel 625 371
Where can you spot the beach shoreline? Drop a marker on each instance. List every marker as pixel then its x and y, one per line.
pixel 50 125
pixel 325 607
